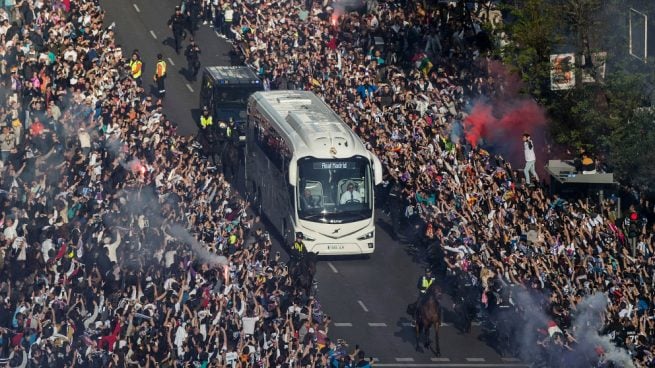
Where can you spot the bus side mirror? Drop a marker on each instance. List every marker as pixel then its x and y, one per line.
pixel 293 173
pixel 377 169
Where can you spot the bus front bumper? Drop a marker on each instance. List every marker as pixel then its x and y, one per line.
pixel 342 249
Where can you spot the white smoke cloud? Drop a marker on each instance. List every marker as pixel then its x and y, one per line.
pixel 199 250
pixel 587 324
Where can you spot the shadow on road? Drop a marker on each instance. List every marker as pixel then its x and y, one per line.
pixel 195 114
pixel 404 330
pixel 170 42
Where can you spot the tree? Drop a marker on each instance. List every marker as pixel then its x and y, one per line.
pixel 533 35
pixel 591 115
pixel 633 157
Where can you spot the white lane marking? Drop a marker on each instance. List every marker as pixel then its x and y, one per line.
pixel 152 33
pixel 342 324
pixel 469 365
pixel 510 359
pixel 217 34
pixel 475 359
pixel 171 61
pixel 361 304
pixel 440 359
pixel 377 324
pixel 136 8
pixel 443 324
pixel 188 86
pixel 334 269
pixel 404 359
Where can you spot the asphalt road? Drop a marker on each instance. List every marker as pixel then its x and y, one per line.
pixel 142 25
pixel 366 298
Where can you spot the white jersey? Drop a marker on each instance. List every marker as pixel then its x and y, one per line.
pixel 528 150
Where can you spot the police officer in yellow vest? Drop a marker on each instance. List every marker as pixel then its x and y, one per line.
pixel 425 281
pixel 136 67
pixel 206 119
pixel 298 248
pixel 229 130
pixel 228 14
pixel 160 75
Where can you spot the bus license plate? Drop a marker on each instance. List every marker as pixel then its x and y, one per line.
pixel 335 246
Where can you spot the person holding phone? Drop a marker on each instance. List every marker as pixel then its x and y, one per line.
pixel 530 159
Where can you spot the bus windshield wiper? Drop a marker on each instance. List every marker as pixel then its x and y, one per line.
pixel 318 216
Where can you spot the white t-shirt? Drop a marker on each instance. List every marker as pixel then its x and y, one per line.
pixel 249 325
pixel 70 55
pixel 529 151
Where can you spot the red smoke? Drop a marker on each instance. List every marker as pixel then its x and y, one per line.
pixel 502 120
pixel 524 117
pixel 475 125
pixel 36 128
pixel 507 83
pixel 137 167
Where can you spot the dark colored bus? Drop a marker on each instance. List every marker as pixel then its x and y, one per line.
pixel 225 91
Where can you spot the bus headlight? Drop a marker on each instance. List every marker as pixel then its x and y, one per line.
pixel 368 235
pixel 308 238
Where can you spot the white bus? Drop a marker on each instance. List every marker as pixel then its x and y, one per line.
pixel 311 173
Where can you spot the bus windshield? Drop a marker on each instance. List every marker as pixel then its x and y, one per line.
pixel 334 190
pixel 234 95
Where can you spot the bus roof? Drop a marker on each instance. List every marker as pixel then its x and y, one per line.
pixel 308 124
pixel 232 74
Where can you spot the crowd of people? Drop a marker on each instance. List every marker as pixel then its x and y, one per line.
pixel 121 246
pixel 402 74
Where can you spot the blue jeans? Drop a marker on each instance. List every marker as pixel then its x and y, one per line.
pixel 529 169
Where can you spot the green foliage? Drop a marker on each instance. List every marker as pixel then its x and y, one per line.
pixel 596 115
pixel 633 157
pixel 533 34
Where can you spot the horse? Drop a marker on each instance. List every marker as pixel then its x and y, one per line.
pixel 427 314
pixel 303 272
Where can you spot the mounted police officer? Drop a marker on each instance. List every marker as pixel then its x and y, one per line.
pixel 424 282
pixel 298 248
pixel 504 304
pixel 464 286
pixel 465 295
